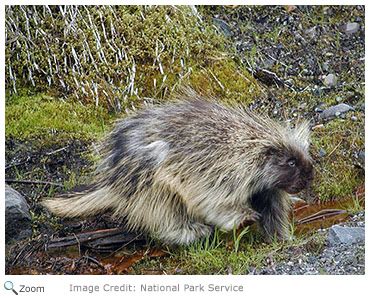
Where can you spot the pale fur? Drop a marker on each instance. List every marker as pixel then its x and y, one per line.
pixel 177 170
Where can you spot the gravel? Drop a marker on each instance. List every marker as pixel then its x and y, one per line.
pixel 334 258
pixel 339 260
pixel 350 28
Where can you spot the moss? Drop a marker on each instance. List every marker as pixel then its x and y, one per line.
pixel 336 175
pixel 226 80
pixel 44 117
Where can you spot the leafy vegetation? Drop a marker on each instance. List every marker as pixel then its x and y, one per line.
pixel 107 55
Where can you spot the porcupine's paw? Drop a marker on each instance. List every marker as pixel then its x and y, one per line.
pixel 231 219
pixel 187 233
pixel 250 217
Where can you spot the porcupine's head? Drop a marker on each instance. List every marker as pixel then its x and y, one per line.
pixel 288 165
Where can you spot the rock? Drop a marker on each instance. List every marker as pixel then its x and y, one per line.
pixel 330 80
pixel 360 159
pixel 322 152
pixel 311 33
pixel 350 28
pixel 223 26
pixel 17 216
pixel 325 66
pixel 335 111
pixel 362 155
pixel 345 235
pixel 290 8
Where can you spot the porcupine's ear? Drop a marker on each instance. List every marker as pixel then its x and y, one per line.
pixel 302 133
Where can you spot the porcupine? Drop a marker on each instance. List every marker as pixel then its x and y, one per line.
pixel 177 170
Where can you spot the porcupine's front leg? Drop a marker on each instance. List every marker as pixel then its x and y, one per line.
pixel 227 217
pixel 274 207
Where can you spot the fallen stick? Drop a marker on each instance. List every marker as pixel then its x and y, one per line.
pixel 33 182
pixel 320 215
pixel 100 239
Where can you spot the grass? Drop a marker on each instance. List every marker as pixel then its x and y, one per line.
pixel 113 55
pixel 355 205
pixel 222 256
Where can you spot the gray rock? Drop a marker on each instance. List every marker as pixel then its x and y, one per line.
pixel 325 66
pixel 223 26
pixel 17 216
pixel 350 28
pixel 336 110
pixel 338 98
pixel 322 152
pixel 345 235
pixel 330 80
pixel 362 155
pixel 311 33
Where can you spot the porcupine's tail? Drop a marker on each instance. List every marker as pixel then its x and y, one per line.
pixel 82 204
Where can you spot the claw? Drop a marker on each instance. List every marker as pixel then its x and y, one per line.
pixel 255 216
pixel 251 217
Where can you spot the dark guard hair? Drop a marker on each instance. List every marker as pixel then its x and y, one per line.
pixel 177 170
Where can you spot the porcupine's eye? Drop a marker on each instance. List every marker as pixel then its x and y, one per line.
pixel 291 162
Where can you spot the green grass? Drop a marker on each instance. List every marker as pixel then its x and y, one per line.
pixel 355 205
pixel 144 51
pixel 221 256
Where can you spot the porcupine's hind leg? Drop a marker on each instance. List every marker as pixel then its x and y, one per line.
pixel 274 207
pixel 164 216
pixel 176 226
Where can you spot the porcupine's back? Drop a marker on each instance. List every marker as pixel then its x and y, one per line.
pixel 180 144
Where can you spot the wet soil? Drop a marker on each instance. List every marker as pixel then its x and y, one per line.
pixel 309 217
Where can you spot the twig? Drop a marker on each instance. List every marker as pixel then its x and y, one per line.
pixel 56 151
pixel 18 163
pixel 320 215
pixel 334 149
pixel 33 182
pixel 215 78
pixel 95 239
pixel 78 243
pixel 93 260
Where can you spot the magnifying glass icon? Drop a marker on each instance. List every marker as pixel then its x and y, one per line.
pixel 8 285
